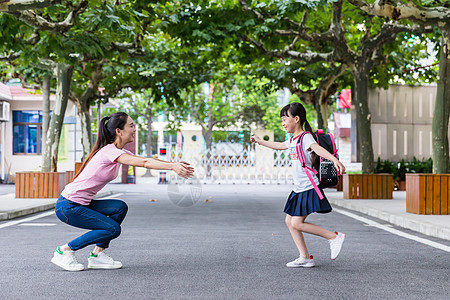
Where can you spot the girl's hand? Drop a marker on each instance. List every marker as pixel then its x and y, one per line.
pixel 255 139
pixel 339 167
pixel 183 169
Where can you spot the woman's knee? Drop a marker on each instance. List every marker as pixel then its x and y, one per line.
pixel 122 207
pixel 115 231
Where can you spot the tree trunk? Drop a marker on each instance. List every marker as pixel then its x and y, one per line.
pixel 99 113
pixel 324 114
pixel 325 89
pixel 17 5
pixel 442 108
pixel 363 118
pixel 86 130
pixel 324 111
pixel 321 122
pixel 207 135
pixel 45 113
pixel 63 73
pixel 148 173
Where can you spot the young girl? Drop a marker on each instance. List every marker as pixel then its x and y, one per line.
pixel 76 206
pixel 304 200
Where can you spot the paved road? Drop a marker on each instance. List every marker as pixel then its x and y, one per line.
pixel 7 189
pixel 233 247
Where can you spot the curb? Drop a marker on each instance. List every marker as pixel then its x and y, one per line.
pixel 404 222
pixel 25 211
pixel 17 213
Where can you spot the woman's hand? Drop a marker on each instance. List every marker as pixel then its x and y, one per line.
pixel 183 169
pixel 255 139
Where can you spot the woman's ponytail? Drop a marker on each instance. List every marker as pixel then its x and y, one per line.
pixel 106 134
pixel 104 137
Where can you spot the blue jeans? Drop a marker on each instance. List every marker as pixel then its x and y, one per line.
pixel 103 217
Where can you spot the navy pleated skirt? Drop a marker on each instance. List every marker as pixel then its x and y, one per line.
pixel 305 203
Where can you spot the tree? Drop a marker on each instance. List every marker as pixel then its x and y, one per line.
pixel 63 72
pixel 28 43
pixel 219 25
pixel 104 35
pixel 149 81
pixel 337 44
pixel 438 16
pixel 111 34
pixel 313 84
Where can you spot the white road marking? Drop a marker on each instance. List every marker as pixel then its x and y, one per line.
pixel 110 196
pixel 46 214
pixel 394 231
pixel 37 224
pixel 12 223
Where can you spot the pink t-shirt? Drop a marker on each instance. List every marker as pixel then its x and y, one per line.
pixel 100 170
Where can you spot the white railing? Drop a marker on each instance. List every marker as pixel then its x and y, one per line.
pixel 258 165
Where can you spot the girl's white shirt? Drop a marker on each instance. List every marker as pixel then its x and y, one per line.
pixel 301 180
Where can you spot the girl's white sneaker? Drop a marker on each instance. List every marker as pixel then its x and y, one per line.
pixel 301 262
pixel 102 261
pixel 336 244
pixel 66 260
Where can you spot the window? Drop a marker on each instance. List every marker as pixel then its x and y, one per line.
pixel 27 127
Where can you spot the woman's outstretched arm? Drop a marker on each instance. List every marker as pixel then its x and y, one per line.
pixel 182 168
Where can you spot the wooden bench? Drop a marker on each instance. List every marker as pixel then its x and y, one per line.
pixel 39 184
pixel 367 186
pixel 428 194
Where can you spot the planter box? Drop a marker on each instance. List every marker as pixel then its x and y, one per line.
pixel 339 187
pixel 367 186
pixel 402 185
pixel 78 166
pixel 69 176
pixel 428 194
pixel 39 185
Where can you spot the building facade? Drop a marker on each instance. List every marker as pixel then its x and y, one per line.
pixel 402 119
pixel 21 133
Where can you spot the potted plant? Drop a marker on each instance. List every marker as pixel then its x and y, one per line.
pixel 399 174
pixel 399 170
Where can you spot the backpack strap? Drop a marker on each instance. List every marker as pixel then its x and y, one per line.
pixel 301 157
pixel 335 150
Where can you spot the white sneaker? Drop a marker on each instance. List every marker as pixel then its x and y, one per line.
pixel 301 262
pixel 336 244
pixel 66 260
pixel 102 261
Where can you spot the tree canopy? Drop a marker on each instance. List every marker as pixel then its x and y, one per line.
pixel 169 49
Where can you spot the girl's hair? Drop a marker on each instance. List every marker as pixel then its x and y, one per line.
pixel 106 134
pixel 296 109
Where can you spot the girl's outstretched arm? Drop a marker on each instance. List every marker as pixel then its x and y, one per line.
pixel 182 168
pixel 268 144
pixel 319 150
